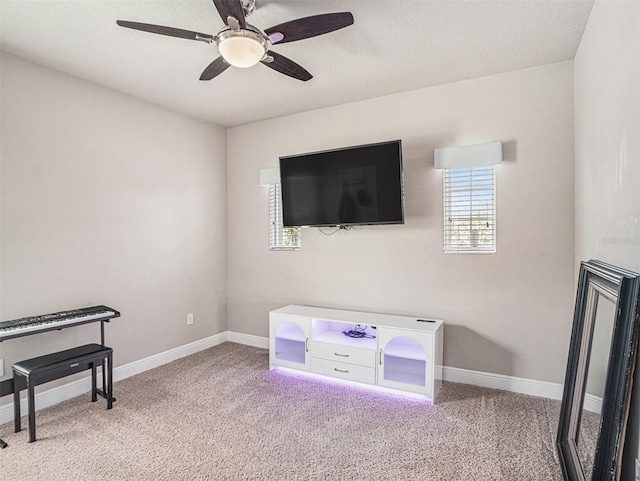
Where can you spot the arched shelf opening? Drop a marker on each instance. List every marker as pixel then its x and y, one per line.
pixel 405 361
pixel 290 343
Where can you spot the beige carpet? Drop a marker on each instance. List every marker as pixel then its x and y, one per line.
pixel 220 414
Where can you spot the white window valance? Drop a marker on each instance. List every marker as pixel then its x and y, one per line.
pixel 270 176
pixel 468 156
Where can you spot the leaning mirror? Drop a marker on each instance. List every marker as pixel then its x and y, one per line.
pixel 597 389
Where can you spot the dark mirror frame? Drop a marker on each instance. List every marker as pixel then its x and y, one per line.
pixel 623 287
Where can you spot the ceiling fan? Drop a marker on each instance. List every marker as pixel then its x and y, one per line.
pixel 243 45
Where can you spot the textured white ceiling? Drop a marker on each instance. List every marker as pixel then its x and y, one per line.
pixel 393 46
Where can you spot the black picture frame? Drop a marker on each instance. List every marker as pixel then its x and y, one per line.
pixel 623 288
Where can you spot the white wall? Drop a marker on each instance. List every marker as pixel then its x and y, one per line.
pixel 108 200
pixel 607 136
pixel 607 151
pixel 508 313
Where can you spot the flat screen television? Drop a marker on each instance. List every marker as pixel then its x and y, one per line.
pixel 359 185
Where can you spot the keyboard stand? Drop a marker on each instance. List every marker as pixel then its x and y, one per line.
pixel 102 392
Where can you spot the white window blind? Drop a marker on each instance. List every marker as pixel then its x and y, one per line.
pixel 281 238
pixel 469 209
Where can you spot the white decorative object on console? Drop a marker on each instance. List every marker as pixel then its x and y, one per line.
pixel 398 352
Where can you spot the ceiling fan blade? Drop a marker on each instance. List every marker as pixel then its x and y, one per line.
pixel 282 64
pixel 231 8
pixel 309 27
pixel 214 69
pixel 170 31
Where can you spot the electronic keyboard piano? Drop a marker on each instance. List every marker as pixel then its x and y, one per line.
pixel 55 321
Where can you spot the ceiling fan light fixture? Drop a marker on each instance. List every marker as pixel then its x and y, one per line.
pixel 242 48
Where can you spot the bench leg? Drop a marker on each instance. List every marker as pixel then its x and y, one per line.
pixel 94 389
pixel 17 421
pixel 104 376
pixel 32 409
pixel 107 384
pixel 109 380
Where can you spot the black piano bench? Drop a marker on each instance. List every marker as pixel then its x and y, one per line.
pixel 55 366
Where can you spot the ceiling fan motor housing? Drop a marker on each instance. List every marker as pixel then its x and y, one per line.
pixel 248 6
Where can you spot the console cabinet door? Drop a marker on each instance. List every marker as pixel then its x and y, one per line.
pixel 405 360
pixel 289 341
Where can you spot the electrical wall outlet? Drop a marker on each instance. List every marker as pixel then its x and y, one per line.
pixel 637 469
pixel 2 373
pixel 189 319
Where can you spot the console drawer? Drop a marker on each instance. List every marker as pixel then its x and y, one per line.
pixel 341 370
pixel 345 354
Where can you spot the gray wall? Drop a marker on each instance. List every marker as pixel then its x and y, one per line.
pixel 108 200
pixel 508 313
pixel 607 152
pixel 607 136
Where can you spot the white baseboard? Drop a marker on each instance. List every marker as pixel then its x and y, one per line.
pixel 453 374
pixel 593 403
pixel 248 339
pixel 142 365
pixel 550 390
pixel 520 385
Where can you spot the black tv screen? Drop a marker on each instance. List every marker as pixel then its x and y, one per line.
pixel 359 185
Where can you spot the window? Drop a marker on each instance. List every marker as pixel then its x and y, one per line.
pixel 469 209
pixel 281 238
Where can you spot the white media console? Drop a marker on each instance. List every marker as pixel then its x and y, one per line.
pixel 397 352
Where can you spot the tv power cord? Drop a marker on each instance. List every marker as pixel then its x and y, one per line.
pixel 359 332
